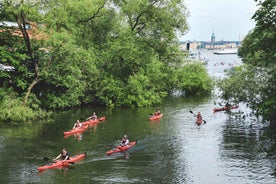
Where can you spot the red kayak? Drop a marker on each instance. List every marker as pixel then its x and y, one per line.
pixel 198 121
pixel 76 130
pixel 225 108
pixel 61 164
pixel 155 117
pixel 93 122
pixel 121 148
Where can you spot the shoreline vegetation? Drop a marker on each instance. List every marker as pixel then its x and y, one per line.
pixel 124 55
pixel 113 56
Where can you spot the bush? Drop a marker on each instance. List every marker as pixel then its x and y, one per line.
pixel 12 109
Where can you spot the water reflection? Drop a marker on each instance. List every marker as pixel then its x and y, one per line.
pixel 77 136
pixel 123 154
pixel 242 154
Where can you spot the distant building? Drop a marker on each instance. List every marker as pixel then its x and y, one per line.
pixel 213 38
pixel 32 29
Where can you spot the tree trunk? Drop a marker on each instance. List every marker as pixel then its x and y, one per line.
pixel 35 81
pixel 21 21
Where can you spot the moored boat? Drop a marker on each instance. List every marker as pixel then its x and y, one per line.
pixel 61 164
pixel 226 51
pixel 121 148
pixel 216 109
pixel 155 117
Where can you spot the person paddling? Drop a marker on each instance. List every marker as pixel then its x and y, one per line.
pixel 64 155
pixel 198 116
pixel 227 106
pixel 77 124
pixel 124 141
pixel 92 117
pixel 157 112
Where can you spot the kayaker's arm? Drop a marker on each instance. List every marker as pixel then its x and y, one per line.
pixel 67 156
pixel 57 157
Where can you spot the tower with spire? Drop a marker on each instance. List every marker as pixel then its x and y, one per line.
pixel 213 38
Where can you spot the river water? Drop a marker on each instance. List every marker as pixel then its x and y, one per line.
pixel 227 149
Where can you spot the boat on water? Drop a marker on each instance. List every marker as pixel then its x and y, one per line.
pixel 198 121
pixel 121 148
pixel 196 55
pixel 216 109
pixel 85 126
pixel 76 130
pixel 226 51
pixel 155 117
pixel 61 164
pixel 93 122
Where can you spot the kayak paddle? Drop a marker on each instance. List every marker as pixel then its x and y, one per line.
pixel 195 115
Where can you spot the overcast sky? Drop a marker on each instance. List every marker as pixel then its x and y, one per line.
pixel 230 19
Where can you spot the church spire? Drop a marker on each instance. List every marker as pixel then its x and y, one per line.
pixel 213 38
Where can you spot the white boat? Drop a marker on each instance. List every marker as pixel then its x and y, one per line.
pixel 196 55
pixel 226 51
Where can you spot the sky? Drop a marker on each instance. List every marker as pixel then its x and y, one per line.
pixel 229 19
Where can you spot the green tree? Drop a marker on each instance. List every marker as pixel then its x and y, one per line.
pixel 114 53
pixel 20 52
pixel 254 83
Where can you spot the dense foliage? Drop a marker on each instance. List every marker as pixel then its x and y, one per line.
pixel 254 83
pixel 109 52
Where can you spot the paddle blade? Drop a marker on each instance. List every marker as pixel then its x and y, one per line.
pixel 191 111
pixel 204 121
pixel 46 159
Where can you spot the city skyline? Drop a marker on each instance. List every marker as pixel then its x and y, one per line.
pixel 230 20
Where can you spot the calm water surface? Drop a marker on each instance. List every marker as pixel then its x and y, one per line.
pixel 173 150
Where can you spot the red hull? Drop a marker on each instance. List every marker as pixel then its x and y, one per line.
pixel 199 121
pixel 93 122
pixel 121 148
pixel 76 130
pixel 225 108
pixel 85 126
pixel 155 117
pixel 60 164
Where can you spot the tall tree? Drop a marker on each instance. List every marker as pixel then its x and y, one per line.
pixel 111 52
pixel 21 12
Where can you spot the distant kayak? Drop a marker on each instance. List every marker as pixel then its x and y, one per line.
pixel 155 117
pixel 225 108
pixel 121 148
pixel 60 163
pixel 198 121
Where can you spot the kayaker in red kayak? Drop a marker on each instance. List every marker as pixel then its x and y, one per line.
pixel 64 155
pixel 92 117
pixel 77 124
pixel 227 106
pixel 124 141
pixel 157 112
pixel 198 116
